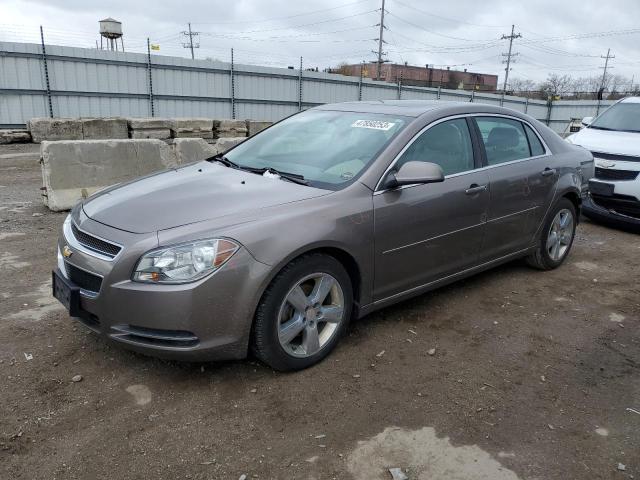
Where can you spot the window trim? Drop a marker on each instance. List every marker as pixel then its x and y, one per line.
pixel 480 145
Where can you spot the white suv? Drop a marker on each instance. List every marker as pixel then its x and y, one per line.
pixel 614 139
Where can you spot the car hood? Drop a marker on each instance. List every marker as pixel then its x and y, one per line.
pixel 606 141
pixel 191 194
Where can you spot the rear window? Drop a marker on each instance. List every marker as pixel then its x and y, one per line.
pixel 534 142
pixel 504 139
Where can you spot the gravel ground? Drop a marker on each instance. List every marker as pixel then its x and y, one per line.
pixel 535 375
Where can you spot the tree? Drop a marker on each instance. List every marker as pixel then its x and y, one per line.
pixel 557 85
pixel 521 85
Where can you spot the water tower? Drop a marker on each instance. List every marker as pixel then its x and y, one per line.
pixel 111 29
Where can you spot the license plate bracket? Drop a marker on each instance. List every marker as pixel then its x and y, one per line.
pixel 66 293
pixel 600 188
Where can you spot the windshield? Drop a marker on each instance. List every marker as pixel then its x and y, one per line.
pixel 329 148
pixel 623 117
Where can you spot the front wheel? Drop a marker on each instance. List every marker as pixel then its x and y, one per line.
pixel 557 237
pixel 303 313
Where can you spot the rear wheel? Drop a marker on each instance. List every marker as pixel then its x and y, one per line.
pixel 557 237
pixel 303 313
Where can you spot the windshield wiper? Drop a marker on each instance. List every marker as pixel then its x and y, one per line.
pixel 220 158
pixel 292 177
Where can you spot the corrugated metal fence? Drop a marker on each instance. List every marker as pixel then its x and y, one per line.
pixel 78 82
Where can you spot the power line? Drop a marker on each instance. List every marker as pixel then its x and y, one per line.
pixel 511 38
pixel 380 42
pixel 189 44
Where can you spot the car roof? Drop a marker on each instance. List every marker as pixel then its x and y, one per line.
pixel 409 108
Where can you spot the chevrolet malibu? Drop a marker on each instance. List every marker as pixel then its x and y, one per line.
pixel 324 217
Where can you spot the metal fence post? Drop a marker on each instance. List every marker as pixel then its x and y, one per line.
pixel 46 73
pixel 153 112
pixel 233 88
pixel 549 107
pixel 526 105
pixel 400 86
pixel 360 82
pixel 300 86
pixel 438 97
pixel 473 96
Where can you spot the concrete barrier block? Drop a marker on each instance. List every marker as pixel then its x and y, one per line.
pixel 255 126
pixel 150 123
pixel 192 128
pixel 55 129
pixel 155 133
pixel 14 136
pixel 229 128
pixel 224 144
pixel 72 170
pixel 104 128
pixel 189 150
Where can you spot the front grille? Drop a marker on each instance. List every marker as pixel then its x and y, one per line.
pixel 85 280
pixel 611 174
pixel 154 336
pixel 623 204
pixel 93 243
pixel 613 156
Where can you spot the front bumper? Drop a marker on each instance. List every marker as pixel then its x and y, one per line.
pixel 604 210
pixel 209 319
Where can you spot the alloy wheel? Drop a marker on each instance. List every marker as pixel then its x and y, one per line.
pixel 560 235
pixel 310 314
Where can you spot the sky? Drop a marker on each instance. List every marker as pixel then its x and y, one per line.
pixel 557 36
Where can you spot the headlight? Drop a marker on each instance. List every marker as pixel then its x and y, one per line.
pixel 183 263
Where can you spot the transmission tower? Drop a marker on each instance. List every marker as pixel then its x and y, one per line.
pixel 189 43
pixel 508 56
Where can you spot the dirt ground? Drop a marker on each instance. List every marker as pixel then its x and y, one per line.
pixel 536 375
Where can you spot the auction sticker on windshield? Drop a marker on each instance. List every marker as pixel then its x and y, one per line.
pixel 374 124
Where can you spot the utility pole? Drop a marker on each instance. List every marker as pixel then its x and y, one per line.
pixel 511 38
pixel 189 44
pixel 380 42
pixel 606 66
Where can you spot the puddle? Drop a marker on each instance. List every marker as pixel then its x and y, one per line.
pixel 587 266
pixel 4 236
pixel 424 456
pixel 44 304
pixel 140 393
pixel 10 261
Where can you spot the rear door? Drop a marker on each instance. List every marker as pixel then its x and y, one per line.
pixel 522 181
pixel 426 232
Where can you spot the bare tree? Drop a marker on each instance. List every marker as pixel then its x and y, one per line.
pixel 557 85
pixel 518 85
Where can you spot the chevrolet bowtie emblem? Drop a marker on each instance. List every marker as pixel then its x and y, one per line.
pixel 606 164
pixel 66 251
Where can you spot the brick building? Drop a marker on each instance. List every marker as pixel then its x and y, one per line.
pixel 426 76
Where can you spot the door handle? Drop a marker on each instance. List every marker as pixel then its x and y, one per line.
pixel 475 188
pixel 547 172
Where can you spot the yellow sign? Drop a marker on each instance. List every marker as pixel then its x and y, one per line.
pixel 155 46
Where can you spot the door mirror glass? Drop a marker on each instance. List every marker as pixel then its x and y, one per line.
pixel 587 121
pixel 414 172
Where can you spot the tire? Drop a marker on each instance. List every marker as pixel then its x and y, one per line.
pixel 280 313
pixel 546 257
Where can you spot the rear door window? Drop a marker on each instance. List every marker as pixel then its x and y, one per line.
pixel 534 142
pixel 504 139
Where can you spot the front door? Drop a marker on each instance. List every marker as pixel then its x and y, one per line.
pixel 427 232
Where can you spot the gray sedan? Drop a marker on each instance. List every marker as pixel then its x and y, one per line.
pixel 324 217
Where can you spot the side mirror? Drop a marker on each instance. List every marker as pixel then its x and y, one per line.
pixel 587 121
pixel 415 172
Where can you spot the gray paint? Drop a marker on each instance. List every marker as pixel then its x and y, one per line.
pixel 402 241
